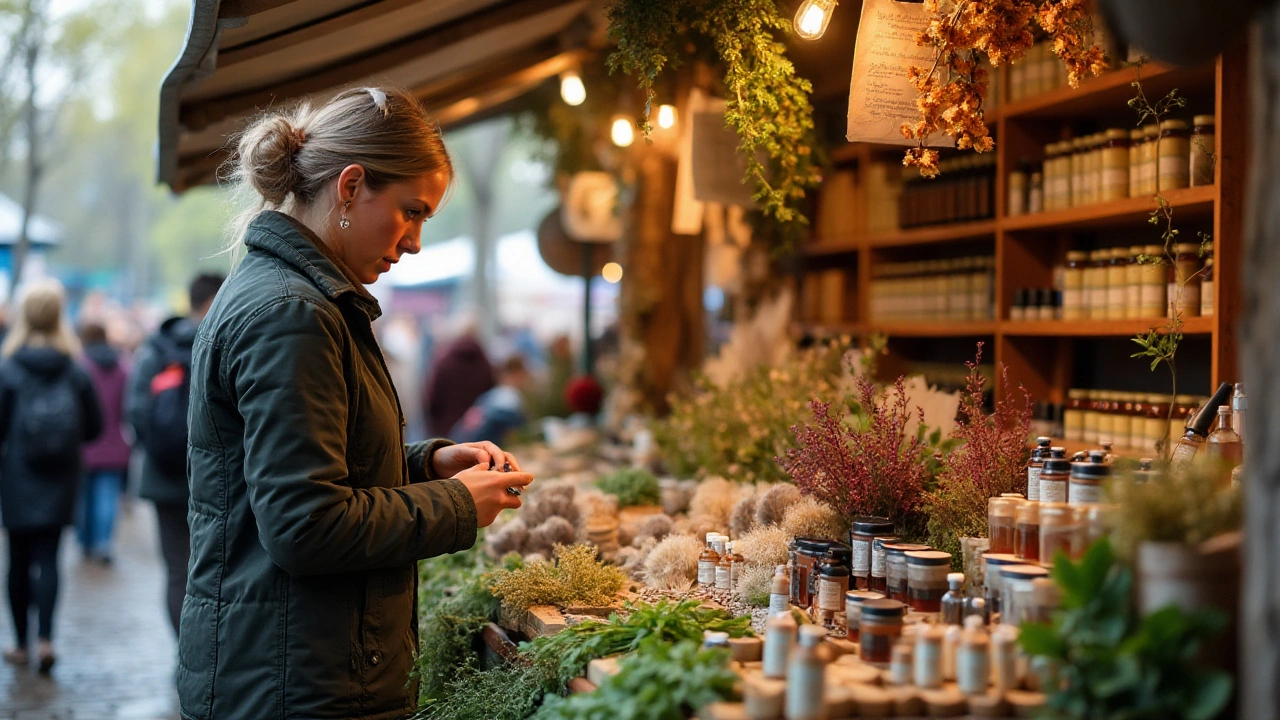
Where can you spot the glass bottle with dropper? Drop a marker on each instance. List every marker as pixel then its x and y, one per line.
pixel 1198 430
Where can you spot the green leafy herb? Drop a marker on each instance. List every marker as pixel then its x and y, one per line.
pixel 632 486
pixel 661 681
pixel 1108 663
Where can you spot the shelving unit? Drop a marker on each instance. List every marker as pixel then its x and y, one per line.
pixel 1046 356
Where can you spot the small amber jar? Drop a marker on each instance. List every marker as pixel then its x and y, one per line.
pixel 1117 283
pixel 1115 165
pixel 927 579
pixel 1054 478
pixel 1073 285
pixel 1154 282
pixel 1133 284
pixel 879 627
pixel 853 601
pixel 1000 522
pixel 1060 531
pixel 865 530
pixel 1086 481
pixel 1026 545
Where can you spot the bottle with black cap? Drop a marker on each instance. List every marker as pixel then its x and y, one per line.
pixel 1038 456
pixel 1198 430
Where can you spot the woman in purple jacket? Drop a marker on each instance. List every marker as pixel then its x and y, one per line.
pixel 106 460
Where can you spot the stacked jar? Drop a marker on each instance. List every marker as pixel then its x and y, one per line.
pixel 1184 280
pixel 1203 150
pixel 963 192
pixel 927 290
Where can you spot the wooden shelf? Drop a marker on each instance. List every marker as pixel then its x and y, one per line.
pixel 907 329
pixel 831 246
pixel 1117 213
pixel 935 234
pixel 1106 94
pixel 1099 328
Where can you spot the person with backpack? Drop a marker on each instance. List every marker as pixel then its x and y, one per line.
pixel 158 398
pixel 106 460
pixel 48 409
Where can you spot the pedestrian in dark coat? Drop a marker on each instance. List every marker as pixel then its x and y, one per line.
pixel 308 512
pixel 458 378
pixel 106 460
pixel 48 409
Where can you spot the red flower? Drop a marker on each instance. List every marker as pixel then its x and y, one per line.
pixel 583 394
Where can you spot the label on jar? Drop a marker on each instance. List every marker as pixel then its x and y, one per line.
pixel 877 562
pixel 722 578
pixel 778 603
pixel 706 572
pixel 1152 299
pixel 1033 482
pixel 861 557
pixel 1184 299
pixel 1175 171
pixel 1053 490
pixel 830 595
pixel 1085 493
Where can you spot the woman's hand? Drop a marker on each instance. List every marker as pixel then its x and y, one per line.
pixel 450 460
pixel 488 489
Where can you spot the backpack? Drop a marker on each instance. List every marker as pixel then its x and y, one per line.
pixel 165 440
pixel 46 429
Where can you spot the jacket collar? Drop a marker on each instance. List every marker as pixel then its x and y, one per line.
pixel 284 237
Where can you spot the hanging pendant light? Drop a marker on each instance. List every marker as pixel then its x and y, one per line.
pixel 621 131
pixel 572 91
pixel 813 17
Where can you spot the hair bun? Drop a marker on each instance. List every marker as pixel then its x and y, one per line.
pixel 267 151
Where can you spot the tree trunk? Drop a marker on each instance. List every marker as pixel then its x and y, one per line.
pixel 481 163
pixel 1260 354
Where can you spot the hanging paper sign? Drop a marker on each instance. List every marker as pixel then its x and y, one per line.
pixel 881 98
pixel 719 167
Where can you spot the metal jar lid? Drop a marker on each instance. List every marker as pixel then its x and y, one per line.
pixel 883 608
pixel 871 525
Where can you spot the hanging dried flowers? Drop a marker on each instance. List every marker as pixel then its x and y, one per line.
pixel 868 467
pixel 963 33
pixel 991 461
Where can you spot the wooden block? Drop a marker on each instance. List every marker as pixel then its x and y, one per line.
pixel 747 649
pixel 946 702
pixel 542 620
pixel 872 701
pixel 991 704
pixel 763 698
pixel 724 711
pixel 906 701
pixel 839 702
pixel 1025 704
pixel 602 669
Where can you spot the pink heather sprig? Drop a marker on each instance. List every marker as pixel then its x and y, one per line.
pixel 874 468
pixel 993 456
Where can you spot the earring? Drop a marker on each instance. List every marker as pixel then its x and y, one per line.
pixel 345 222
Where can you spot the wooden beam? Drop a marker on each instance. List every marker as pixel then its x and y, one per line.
pixel 313 29
pixel 245 8
pixel 451 109
pixel 484 75
pixel 197 115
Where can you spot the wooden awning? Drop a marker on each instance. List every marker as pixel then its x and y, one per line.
pixel 464 58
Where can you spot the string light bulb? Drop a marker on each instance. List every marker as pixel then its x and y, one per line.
pixel 813 17
pixel 621 132
pixel 666 116
pixel 572 91
pixel 611 272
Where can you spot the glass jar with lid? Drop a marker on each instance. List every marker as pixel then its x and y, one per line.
pixel 1117 283
pixel 1150 134
pixel 1115 165
pixel 1061 530
pixel 1054 477
pixel 1073 285
pixel 896 567
pixel 1184 280
pixel 880 625
pixel 1133 283
pixel 878 580
pixel 1086 481
pixel 1073 415
pixel 1136 138
pixel 865 530
pixel 1026 544
pixel 1016 592
pixel 1202 150
pixel 1174 164
pixel 927 579
pixel 853 601
pixel 1153 275
pixel 994 585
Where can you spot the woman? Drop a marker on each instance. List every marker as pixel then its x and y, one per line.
pixel 307 511
pixel 106 460
pixel 48 408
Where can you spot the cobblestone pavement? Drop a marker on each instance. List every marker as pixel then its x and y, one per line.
pixel 114 646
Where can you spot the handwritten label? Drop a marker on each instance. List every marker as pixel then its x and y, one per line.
pixel 881 98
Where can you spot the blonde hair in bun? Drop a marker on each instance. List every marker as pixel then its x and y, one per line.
pixel 284 159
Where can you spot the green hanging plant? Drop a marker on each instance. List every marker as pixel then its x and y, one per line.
pixel 767 104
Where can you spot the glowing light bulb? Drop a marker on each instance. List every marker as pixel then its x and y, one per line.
pixel 666 116
pixel 611 272
pixel 812 18
pixel 572 91
pixel 621 132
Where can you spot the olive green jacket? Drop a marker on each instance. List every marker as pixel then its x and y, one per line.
pixel 308 511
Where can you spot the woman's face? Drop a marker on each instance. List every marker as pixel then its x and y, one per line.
pixel 387 224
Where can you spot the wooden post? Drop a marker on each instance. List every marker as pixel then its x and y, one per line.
pixel 1260 353
pixel 661 304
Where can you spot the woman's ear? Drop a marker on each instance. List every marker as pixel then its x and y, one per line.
pixel 350 181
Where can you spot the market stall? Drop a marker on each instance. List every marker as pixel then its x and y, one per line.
pixel 974 445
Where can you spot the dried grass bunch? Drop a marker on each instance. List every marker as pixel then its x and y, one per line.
pixel 673 563
pixel 575 578
pixel 813 518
